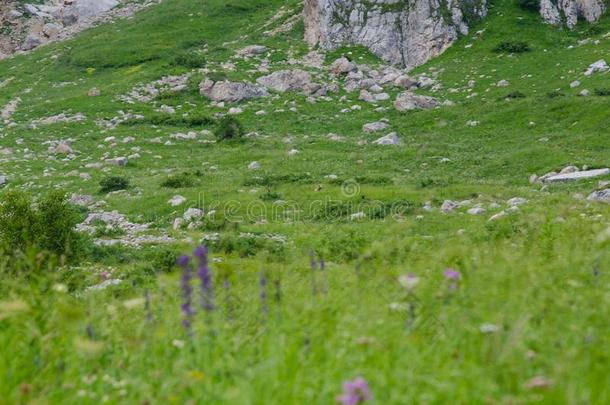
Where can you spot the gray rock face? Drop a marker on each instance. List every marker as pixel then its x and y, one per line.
pixel 230 91
pixel 90 8
pixel 400 32
pixel 569 12
pixel 286 80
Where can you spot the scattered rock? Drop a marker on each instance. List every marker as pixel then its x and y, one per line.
pixel 389 139
pixel 408 101
pixel 252 50
pixel 449 206
pixel 342 66
pixel 581 175
pixel 286 80
pixel 599 66
pixel 600 195
pixel 231 91
pixel 118 161
pixel 476 211
pixel 192 214
pixel 374 126
pixel 254 166
pixel 176 200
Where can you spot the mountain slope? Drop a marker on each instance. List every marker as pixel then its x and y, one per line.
pixel 523 321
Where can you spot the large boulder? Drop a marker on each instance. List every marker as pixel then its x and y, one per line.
pixel 406 33
pixel 230 91
pixel 408 101
pixel 286 80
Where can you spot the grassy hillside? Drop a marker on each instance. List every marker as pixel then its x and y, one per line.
pixel 524 322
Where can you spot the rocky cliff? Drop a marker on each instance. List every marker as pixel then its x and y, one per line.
pixel 569 12
pixel 402 32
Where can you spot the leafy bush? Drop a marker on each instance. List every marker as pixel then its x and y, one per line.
pixel 48 225
pixel 555 94
pixel 229 128
pixel 113 183
pixel 530 5
pixel 189 59
pixel 512 47
pixel 178 181
pixel 513 95
pixel 603 92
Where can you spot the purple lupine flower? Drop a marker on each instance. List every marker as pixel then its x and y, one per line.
pixel 324 287
pixel 228 302
pixel 263 294
pixel 355 392
pixel 278 290
pixel 147 306
pixel 314 267
pixel 187 291
pixel 205 278
pixel 453 276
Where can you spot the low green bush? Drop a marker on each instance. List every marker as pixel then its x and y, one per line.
pixel 47 224
pixel 512 47
pixel 182 180
pixel 229 128
pixel 113 183
pixel 602 92
pixel 529 5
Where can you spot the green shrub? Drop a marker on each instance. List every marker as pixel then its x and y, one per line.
pixel 189 59
pixel 529 5
pixel 178 181
pixel 603 92
pixel 48 225
pixel 555 94
pixel 113 183
pixel 512 47
pixel 513 95
pixel 229 128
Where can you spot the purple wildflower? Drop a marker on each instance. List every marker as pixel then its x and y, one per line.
pixel 205 278
pixel 355 392
pixel 453 276
pixel 314 267
pixel 263 294
pixel 147 306
pixel 187 291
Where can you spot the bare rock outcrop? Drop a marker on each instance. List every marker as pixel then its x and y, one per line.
pixel 569 12
pixel 406 33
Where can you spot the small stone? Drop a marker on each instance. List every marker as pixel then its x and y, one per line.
pixel 293 152
pixel 374 127
pixel 389 139
pixel 178 223
pixel 600 196
pixel 342 66
pixel 118 161
pixel 94 92
pixel 449 206
pixel 476 211
pixel 503 83
pixel 254 166
pixel 574 84
pixel 517 201
pixel 192 214
pixel 176 200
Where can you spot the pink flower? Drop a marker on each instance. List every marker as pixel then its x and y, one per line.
pixel 452 274
pixel 355 392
